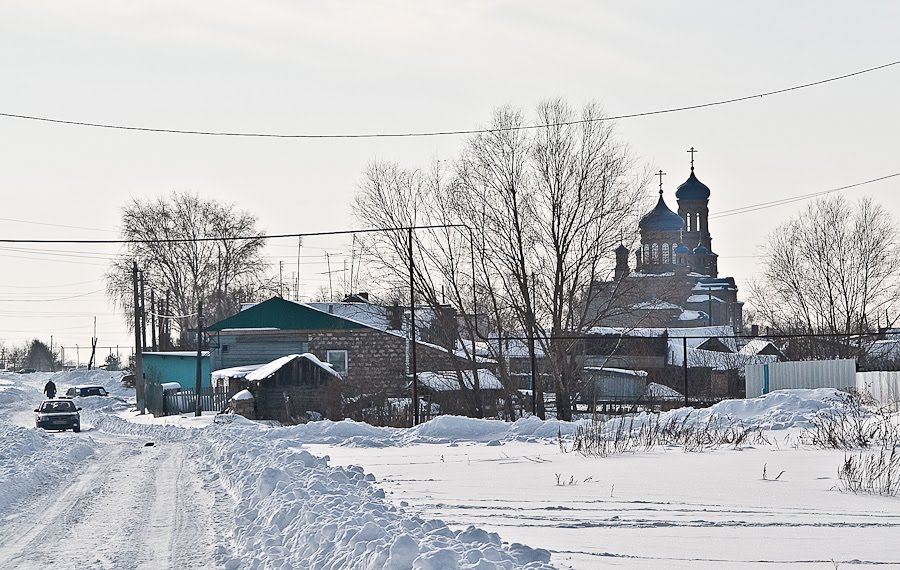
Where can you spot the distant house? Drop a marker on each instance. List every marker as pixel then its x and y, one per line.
pixel 372 359
pixel 291 389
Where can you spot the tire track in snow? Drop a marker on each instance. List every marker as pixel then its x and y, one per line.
pixel 131 507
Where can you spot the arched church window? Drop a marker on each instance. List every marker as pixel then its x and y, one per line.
pixel 665 253
pixel 687 221
pixel 646 249
pixel 654 253
pixel 697 222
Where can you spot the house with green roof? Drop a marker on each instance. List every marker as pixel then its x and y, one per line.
pixel 373 360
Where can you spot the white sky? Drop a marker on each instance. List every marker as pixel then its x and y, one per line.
pixel 335 67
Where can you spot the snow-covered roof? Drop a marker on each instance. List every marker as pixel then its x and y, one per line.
pixel 754 346
pixel 656 305
pixel 655 391
pixel 235 372
pixel 699 358
pixel 692 316
pixel 703 299
pixel 446 380
pixel 639 373
pixel 258 372
pixel 177 353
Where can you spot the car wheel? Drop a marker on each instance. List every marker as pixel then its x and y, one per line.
pixel 77 428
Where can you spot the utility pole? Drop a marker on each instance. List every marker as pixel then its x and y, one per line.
pixel 198 411
pixel 153 343
pixel 684 365
pixel 143 313
pixel 139 385
pixel 52 367
pixel 281 279
pixel 412 333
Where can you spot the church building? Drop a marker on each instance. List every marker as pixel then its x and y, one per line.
pixel 675 281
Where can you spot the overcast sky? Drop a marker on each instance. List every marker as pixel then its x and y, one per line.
pixel 347 67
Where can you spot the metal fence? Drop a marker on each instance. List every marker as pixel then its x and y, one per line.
pixel 764 378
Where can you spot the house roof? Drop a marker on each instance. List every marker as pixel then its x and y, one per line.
pixel 446 380
pixel 278 313
pixel 258 372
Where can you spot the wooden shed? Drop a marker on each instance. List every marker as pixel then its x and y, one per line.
pixel 291 389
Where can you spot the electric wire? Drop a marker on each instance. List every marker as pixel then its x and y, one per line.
pixel 437 133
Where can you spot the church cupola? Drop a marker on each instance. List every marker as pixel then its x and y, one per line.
pixel 660 235
pixel 693 208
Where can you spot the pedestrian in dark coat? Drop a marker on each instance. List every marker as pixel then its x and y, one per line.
pixel 50 389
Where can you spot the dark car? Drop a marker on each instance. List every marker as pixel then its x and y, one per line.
pixel 80 391
pixel 58 414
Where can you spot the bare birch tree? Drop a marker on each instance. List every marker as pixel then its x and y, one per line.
pixel 832 269
pixel 221 272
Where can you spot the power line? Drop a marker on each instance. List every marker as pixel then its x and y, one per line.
pixel 232 238
pixel 436 133
pixel 782 201
pixel 51 300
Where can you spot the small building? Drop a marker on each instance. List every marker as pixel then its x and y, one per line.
pixel 613 385
pixel 177 366
pixel 292 389
pixel 451 392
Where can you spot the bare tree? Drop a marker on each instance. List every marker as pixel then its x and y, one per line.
pixel 547 206
pixel 222 272
pixel 832 269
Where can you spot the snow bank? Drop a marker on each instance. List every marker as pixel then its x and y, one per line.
pixel 294 510
pixel 112 381
pixel 31 458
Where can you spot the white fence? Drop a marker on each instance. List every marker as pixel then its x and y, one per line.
pixel 764 378
pixel 884 387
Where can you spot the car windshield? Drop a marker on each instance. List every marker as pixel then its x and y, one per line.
pixel 57 407
pixel 93 391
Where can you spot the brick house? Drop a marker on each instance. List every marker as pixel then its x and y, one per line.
pixel 374 362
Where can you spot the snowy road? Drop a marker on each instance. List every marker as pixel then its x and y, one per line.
pixel 131 507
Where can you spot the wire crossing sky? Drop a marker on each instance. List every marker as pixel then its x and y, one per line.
pixel 444 133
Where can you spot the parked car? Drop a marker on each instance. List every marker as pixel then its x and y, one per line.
pixel 88 390
pixel 26 370
pixel 58 414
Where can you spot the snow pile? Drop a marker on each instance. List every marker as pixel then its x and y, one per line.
pixel 293 510
pixel 31 458
pixel 782 409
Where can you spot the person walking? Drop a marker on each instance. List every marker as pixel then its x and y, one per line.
pixel 50 389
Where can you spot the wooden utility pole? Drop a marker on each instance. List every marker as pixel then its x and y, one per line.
pixel 143 313
pixel 139 386
pixel 198 410
pixel 684 365
pixel 153 343
pixel 412 333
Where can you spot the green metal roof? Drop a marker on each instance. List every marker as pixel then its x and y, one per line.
pixel 280 314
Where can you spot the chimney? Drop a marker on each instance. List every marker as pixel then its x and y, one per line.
pixel 754 330
pixel 395 317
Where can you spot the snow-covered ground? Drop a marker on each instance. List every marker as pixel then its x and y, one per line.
pixel 452 493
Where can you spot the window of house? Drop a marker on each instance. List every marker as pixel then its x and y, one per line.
pixel 665 254
pixel 338 360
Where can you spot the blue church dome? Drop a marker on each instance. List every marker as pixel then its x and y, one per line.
pixel 681 248
pixel 661 218
pixel 692 189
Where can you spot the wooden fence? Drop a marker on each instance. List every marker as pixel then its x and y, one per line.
pixel 167 403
